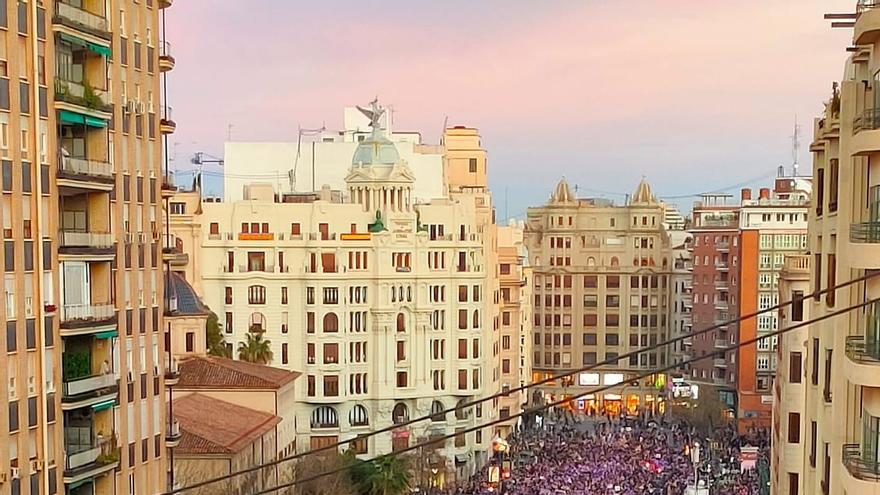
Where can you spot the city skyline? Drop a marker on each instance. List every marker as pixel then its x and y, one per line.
pixel 733 100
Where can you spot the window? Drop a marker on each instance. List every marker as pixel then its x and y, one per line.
pixel 794 367
pixel 401 379
pixel 190 341
pixel 827 391
pixel 256 294
pixel 472 165
pixel 794 427
pixel 797 305
pixel 793 483
pixel 284 356
pixel 178 208
pixel 813 439
pixel 331 323
pixel 814 375
pixel 310 322
pixel 331 386
pixel 331 353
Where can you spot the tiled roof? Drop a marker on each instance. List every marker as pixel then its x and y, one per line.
pixel 211 372
pixel 213 426
pixel 188 303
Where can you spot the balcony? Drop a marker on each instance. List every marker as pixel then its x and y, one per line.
pixel 164 4
pixel 173 434
pixel 719 363
pixel 867 27
pixel 84 243
pixel 168 188
pixel 687 341
pixel 91 462
pixel 722 266
pixel 85 173
pixel 722 285
pixel 166 60
pixel 91 389
pixel 81 20
pixel 80 316
pixel 719 380
pixel 864 244
pixel 721 344
pixel 722 246
pixel 862 472
pixel 173 252
pixel 862 365
pixel 85 98
pixel 166 122
pixel 172 372
pixel 722 305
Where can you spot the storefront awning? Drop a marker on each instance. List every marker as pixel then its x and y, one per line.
pixel 77 484
pixel 78 118
pixel 109 334
pixel 99 49
pixel 102 406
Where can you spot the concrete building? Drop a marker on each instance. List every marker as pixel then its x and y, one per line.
pixel 771 227
pixel 843 358
pixel 81 124
pixel 391 306
pixel 601 289
pixel 788 464
pixel 715 233
pixel 682 295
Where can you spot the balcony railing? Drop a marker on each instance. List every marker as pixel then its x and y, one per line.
pixel 860 351
pixel 71 238
pixel 81 17
pixel 860 466
pixel 82 95
pixel 720 343
pixel 719 362
pixel 865 232
pixel 165 49
pixel 864 5
pixel 84 166
pixel 868 120
pixel 73 312
pixel 89 384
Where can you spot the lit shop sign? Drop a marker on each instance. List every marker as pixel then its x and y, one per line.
pixel 586 379
pixel 613 378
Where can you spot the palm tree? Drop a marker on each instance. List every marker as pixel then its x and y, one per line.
pixel 255 349
pixel 214 336
pixel 388 475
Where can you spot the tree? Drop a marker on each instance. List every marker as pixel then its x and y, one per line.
pixel 255 349
pixel 388 475
pixel 334 484
pixel 706 414
pixel 214 338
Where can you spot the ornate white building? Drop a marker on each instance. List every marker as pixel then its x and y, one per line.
pixel 389 307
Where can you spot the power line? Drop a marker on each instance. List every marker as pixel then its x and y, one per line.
pixel 584 394
pixel 607 361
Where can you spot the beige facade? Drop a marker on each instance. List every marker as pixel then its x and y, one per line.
pixel 788 463
pixel 390 307
pixel 80 138
pixel 601 289
pixel 843 361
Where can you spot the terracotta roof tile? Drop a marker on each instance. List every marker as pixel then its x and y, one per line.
pixel 211 372
pixel 227 429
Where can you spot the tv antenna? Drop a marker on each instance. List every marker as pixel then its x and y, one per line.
pixel 795 147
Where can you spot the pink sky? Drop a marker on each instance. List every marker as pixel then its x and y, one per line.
pixel 696 95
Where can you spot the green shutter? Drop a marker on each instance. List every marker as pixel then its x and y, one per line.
pixel 72 117
pixel 109 334
pixel 101 406
pixel 99 49
pixel 93 122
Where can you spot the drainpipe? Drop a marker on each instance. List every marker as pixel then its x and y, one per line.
pixel 41 230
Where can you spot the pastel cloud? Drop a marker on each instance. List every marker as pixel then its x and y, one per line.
pixel 694 94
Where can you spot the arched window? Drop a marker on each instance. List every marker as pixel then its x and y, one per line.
pixel 400 414
pixel 358 416
pixel 591 262
pixel 615 261
pixel 324 417
pixel 401 322
pixel 460 411
pixel 437 413
pixel 331 323
pixel 257 322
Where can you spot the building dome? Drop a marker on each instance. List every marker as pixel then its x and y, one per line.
pixel 376 149
pixel 562 194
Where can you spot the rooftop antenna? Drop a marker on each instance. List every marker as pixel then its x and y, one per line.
pixel 229 132
pixel 795 147
pixel 443 132
pixel 291 175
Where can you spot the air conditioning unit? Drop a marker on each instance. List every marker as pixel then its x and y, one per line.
pixel 141 108
pixel 50 387
pixel 36 465
pixel 130 106
pixel 32 389
pixel 16 474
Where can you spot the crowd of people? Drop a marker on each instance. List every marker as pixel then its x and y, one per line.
pixel 621 456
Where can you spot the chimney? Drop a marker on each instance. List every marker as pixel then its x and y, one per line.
pixel 746 194
pixel 765 193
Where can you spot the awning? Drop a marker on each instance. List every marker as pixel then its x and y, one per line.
pixel 461 459
pixel 78 118
pixel 109 334
pixel 102 406
pixel 99 49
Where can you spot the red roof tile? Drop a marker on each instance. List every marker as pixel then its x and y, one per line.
pixel 213 426
pixel 211 372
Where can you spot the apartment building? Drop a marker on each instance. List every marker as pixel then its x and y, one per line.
pixel 771 227
pixel 843 357
pixel 714 255
pixel 80 133
pixel 682 296
pixel 787 460
pixel 601 288
pixel 391 308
